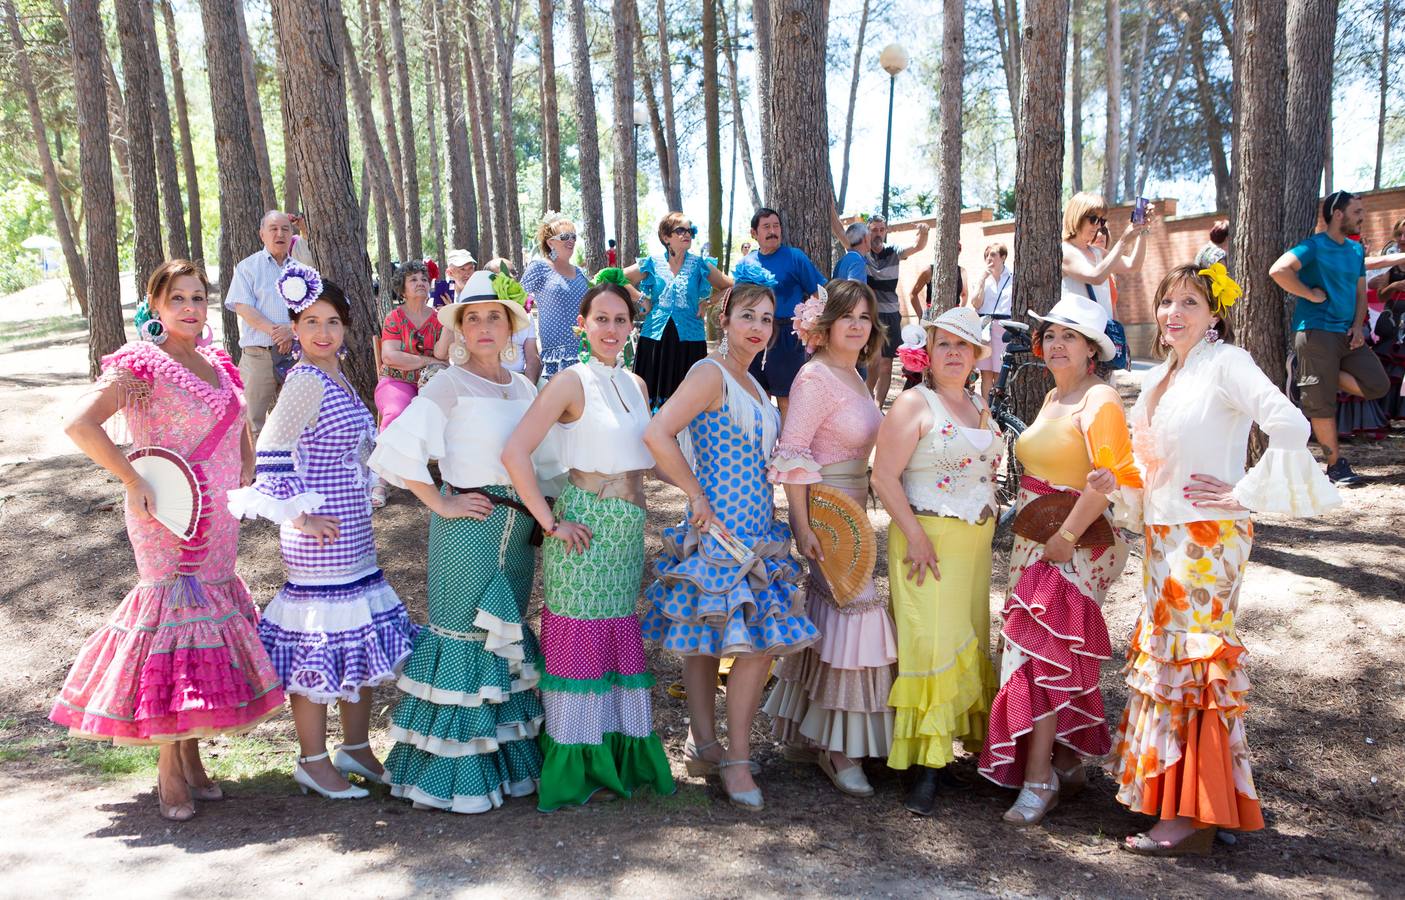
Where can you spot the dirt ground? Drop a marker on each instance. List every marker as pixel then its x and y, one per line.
pixel 1321 613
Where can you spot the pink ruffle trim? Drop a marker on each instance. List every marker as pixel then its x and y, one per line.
pixel 853 640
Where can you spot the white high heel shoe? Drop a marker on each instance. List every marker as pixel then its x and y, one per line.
pixel 347 764
pixel 308 783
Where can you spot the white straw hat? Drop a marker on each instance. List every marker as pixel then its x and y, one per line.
pixel 965 323
pixel 1084 316
pixel 479 290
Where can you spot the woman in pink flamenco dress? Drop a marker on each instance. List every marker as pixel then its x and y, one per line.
pixel 180 659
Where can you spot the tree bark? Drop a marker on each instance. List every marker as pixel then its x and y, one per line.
pixel 105 331
pixel 945 276
pixel 592 205
pixel 292 189
pixel 1134 104
pixel 192 181
pixel 853 101
pixel 317 101
pixel 670 123
pixel 436 179
pixel 796 150
pixel 1113 145
pixel 626 170
pixel 241 207
pixel 267 196
pixel 1384 91
pixel 1311 36
pixel 73 259
pixel 1039 150
pixel 381 53
pixel 743 143
pixel 646 82
pixel 1259 163
pixel 551 115
pixel 117 125
pixel 177 242
pixel 712 124
pixel 1075 124
pixel 1214 131
pixel 480 160
pixel 463 225
pixel 505 43
pixel 407 131
pixel 1327 174
pixel 146 211
pixel 1007 37
pixel 491 148
pixel 379 208
pixel 761 24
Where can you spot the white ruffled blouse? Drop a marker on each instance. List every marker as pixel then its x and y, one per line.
pixel 1201 426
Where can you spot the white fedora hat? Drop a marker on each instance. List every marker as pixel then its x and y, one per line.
pixel 1084 316
pixel 478 290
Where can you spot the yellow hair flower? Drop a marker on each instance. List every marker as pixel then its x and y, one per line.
pixel 1225 289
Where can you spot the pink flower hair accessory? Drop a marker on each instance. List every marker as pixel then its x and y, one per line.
pixel 806 321
pixel 300 286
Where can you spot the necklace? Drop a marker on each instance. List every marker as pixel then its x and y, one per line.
pixel 505 388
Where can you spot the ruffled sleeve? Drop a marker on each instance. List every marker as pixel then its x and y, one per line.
pixel 702 288
pixel 535 275
pixel 794 460
pixel 279 493
pixel 1287 478
pixel 651 284
pixel 404 449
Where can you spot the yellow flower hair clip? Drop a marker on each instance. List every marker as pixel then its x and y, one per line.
pixel 1225 289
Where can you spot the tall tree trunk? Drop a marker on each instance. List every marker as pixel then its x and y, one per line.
pixel 505 43
pixel 551 116
pixel 77 275
pixel 292 188
pixel 463 225
pixel 646 82
pixel 945 277
pixel 1113 145
pixel 1214 131
pixel 674 181
pixel 407 130
pixel 796 151
pixel 625 17
pixel 1134 104
pixel 592 205
pixel 379 207
pixel 761 25
pixel 192 181
pixel 251 96
pixel 436 179
pixel 146 211
pixel 480 158
pixel 381 54
pixel 1075 124
pixel 853 101
pixel 1007 37
pixel 176 240
pixel 105 331
pixel 1039 150
pixel 1327 173
pixel 491 148
pixel 730 37
pixel 712 124
pixel 1311 37
pixel 1259 180
pixel 317 101
pixel 241 207
pixel 1385 84
pixel 117 126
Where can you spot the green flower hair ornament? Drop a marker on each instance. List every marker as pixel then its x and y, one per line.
pixel 611 275
pixel 509 290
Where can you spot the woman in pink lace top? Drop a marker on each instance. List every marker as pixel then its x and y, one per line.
pixel 833 696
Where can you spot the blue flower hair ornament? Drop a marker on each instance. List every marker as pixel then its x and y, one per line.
pixel 749 272
pixel 300 286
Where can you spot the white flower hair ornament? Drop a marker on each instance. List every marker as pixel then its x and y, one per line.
pixel 300 286
pixel 807 319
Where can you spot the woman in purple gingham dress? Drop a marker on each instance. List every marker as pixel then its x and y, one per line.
pixel 336 629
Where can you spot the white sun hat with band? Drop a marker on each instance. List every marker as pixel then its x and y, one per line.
pixel 484 287
pixel 1084 316
pixel 965 323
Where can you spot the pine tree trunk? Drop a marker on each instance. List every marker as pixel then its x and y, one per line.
pixel 1075 124
pixel 1214 131
pixel 761 24
pixel 77 274
pixel 743 143
pixel 712 125
pixel 853 102
pixel 105 331
pixel 1384 91
pixel 1039 152
pixel 267 197
pixel 463 225
pixel 177 243
pixel 626 162
pixel 146 210
pixel 241 207
pixel 379 192
pixel 317 102
pixel 192 181
pixel 471 101
pixel 674 181
pixel 292 189
pixel 505 42
pixel 491 149
pixel 592 206
pixel 646 82
pixel 1007 38
pixel 407 131
pixel 380 52
pixel 1259 163
pixel 436 178
pixel 117 126
pixel 1113 66
pixel 945 277
pixel 796 150
pixel 551 115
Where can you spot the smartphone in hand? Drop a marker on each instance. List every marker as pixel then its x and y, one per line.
pixel 1139 211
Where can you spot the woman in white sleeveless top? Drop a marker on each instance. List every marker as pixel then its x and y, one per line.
pixel 938 452
pixel 596 687
pixel 994 297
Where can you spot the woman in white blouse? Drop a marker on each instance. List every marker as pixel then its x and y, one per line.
pixel 938 452
pixel 1180 752
pixel 465 729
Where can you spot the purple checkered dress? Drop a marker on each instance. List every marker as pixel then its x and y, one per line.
pixel 336 626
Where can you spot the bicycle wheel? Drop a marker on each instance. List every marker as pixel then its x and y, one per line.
pixel 1007 480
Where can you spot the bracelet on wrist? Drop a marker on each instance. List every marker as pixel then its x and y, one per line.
pixel 552 530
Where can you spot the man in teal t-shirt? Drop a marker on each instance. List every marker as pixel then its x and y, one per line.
pixel 1327 275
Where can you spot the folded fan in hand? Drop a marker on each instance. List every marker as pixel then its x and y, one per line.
pixel 1112 446
pixel 178 498
pixel 846 539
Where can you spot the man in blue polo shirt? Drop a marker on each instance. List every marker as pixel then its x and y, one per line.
pixel 796 279
pixel 1327 275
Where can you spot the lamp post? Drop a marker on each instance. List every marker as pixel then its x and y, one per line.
pixel 893 59
pixel 641 117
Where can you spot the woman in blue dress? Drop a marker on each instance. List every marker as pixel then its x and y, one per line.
pixel 727 584
pixel 673 336
pixel 557 286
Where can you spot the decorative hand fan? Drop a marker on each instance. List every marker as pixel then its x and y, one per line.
pixel 1112 446
pixel 847 540
pixel 728 542
pixel 1041 518
pixel 178 499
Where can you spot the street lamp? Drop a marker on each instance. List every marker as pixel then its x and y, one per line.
pixel 893 59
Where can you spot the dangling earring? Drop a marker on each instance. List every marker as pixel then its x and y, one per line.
pixel 458 351
pixel 341 352
pixel 722 348
pixel 551 254
pixel 152 331
pixel 509 353
pixel 1164 341
pixel 584 353
pixel 1212 335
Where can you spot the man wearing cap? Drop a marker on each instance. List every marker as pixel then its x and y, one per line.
pixel 1327 275
pixel 263 315
pixel 460 264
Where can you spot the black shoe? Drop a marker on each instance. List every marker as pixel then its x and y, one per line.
pixel 921 798
pixel 1340 474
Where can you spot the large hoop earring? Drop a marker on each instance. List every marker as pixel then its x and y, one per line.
pixel 152 331
pixel 458 351
pixel 509 353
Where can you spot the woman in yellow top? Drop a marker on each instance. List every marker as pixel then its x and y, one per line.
pixel 1048 713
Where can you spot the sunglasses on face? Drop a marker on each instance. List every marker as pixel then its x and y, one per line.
pixel 568 237
pixel 681 230
pixel 1095 219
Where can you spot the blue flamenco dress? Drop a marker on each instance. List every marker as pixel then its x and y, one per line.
pixel 704 602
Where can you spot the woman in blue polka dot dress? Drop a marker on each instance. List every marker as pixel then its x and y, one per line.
pixel 708 603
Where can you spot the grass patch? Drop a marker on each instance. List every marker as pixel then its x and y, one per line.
pixel 688 796
pixel 33 329
pixel 106 759
pixel 19 749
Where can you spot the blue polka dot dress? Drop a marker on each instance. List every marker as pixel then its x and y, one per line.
pixel 704 602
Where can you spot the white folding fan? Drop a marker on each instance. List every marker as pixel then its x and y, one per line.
pixel 178 499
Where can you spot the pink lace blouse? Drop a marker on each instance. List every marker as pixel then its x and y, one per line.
pixel 827 422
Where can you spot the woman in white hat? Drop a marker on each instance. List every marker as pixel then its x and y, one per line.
pixel 938 452
pixel 1048 714
pixel 465 728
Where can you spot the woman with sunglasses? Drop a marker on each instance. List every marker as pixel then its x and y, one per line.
pixel 557 286
pixel 1088 270
pixel 677 283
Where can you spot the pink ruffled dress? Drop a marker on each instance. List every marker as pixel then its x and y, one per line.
pixel 834 694
pixel 180 658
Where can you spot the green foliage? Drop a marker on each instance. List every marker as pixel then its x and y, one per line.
pixel 24 211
